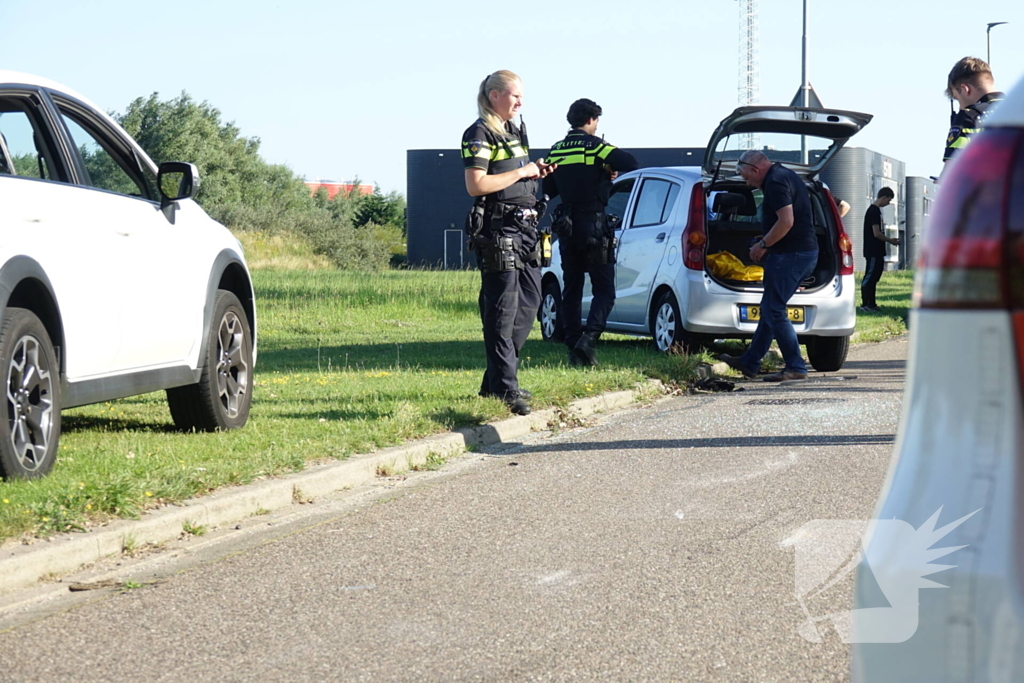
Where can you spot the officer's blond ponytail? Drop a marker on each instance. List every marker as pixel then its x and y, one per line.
pixel 501 81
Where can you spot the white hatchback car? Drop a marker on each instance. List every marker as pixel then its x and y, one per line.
pixel 113 282
pixel 960 446
pixel 665 285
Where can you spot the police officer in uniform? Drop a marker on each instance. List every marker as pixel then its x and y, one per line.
pixel 586 167
pixel 970 83
pixel 502 232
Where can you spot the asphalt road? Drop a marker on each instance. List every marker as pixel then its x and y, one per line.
pixel 652 544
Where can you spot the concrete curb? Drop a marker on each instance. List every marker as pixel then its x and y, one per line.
pixel 22 565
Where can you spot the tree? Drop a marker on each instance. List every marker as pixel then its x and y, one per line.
pixel 242 190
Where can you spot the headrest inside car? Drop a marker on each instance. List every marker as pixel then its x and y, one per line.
pixel 734 203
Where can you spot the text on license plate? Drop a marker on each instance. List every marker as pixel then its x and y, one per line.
pixel 750 314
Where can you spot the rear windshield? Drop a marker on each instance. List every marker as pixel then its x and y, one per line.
pixel 784 147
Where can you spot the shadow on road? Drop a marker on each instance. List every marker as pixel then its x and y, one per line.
pixel 723 442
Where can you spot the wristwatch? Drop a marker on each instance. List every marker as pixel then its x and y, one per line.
pixel 761 243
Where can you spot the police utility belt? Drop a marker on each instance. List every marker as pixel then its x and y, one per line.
pixel 601 244
pixel 498 252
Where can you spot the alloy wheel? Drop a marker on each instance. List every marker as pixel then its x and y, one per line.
pixel 232 368
pixel 29 403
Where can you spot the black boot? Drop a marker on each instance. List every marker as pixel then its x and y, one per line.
pixel 516 402
pixel 584 348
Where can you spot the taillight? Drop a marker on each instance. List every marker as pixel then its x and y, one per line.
pixel 843 243
pixel 972 256
pixel 695 236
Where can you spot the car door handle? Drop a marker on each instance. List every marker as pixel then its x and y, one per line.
pixel 660 237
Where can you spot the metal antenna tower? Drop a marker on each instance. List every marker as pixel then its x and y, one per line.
pixel 749 71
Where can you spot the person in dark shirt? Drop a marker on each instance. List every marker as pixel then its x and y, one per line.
pixel 874 249
pixel 586 167
pixel 789 252
pixel 971 84
pixel 502 228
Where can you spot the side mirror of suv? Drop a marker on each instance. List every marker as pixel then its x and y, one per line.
pixel 177 180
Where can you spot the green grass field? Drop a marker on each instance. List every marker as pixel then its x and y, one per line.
pixel 348 363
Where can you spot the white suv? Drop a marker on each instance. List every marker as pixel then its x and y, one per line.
pixel 113 282
pixel 665 285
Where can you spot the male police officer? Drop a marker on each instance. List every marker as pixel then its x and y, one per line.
pixel 970 83
pixel 586 167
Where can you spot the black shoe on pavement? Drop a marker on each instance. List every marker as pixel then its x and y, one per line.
pixel 584 348
pixel 734 363
pixel 785 376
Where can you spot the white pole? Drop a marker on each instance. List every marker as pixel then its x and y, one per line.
pixel 805 87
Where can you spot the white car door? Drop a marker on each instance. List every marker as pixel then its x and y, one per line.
pixel 43 224
pixel 642 245
pixel 157 320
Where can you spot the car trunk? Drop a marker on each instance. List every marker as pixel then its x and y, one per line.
pixel 734 232
pixel 802 139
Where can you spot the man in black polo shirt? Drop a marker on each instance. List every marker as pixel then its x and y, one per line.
pixel 789 252
pixel 874 249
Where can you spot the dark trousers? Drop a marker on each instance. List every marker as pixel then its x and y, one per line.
pixel 509 303
pixel 872 274
pixel 783 274
pixel 602 286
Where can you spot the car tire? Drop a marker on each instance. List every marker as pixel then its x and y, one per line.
pixel 550 314
pixel 30 430
pixel 667 327
pixel 827 354
pixel 222 397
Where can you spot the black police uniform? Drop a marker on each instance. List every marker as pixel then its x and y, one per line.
pixel 967 122
pixel 502 231
pixel 582 180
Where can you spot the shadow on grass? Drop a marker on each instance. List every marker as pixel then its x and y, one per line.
pixel 453 418
pixel 447 355
pixel 70 423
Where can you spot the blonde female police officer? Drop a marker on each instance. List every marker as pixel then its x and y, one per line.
pixel 502 232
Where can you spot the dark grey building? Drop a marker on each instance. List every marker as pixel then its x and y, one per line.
pixel 438 202
pixel 856 175
pixel 920 196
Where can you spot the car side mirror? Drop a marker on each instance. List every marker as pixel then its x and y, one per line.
pixel 177 180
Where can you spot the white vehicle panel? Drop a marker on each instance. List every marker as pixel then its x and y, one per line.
pixel 959 448
pixel 79 256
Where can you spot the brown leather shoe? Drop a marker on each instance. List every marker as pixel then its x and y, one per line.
pixel 785 376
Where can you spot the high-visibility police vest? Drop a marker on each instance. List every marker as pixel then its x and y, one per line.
pixel 581 178
pixel 482 149
pixel 967 122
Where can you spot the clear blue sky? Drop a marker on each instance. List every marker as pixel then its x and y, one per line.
pixel 342 89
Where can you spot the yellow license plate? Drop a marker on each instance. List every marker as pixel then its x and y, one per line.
pixel 751 314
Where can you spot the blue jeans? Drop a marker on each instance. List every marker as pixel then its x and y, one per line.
pixel 783 274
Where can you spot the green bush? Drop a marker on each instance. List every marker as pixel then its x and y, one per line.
pixel 241 190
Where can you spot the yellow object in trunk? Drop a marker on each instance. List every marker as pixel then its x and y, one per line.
pixel 729 267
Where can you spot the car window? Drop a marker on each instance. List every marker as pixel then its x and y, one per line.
pixel 23 151
pixel 619 198
pixel 657 197
pixel 110 163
